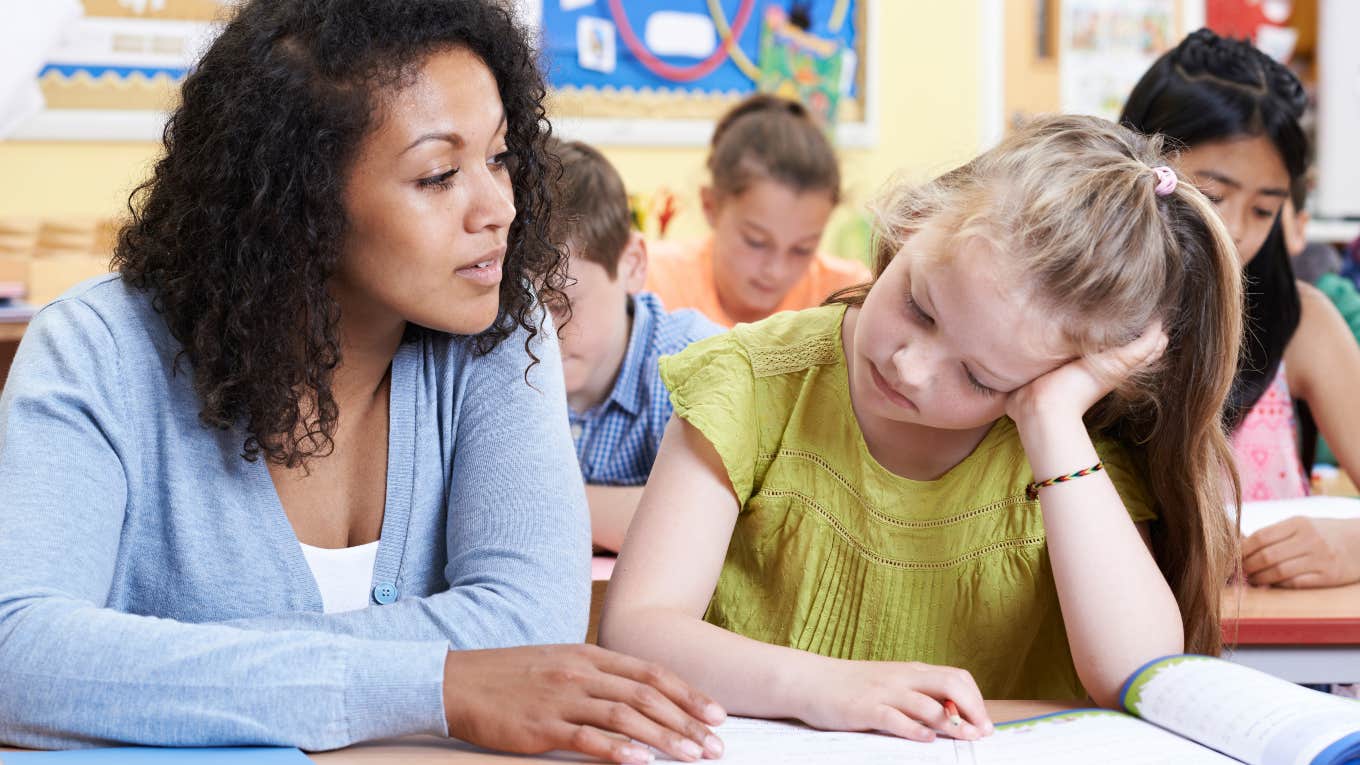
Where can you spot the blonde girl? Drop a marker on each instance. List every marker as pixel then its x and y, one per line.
pixel 995 472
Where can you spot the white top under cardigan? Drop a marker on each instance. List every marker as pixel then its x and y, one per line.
pixel 344 575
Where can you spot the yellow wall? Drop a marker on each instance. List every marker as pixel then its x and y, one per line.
pixel 928 121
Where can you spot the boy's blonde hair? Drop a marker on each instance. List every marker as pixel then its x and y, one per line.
pixel 1069 203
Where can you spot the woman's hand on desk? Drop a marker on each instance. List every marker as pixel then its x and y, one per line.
pixel 1304 552
pixel 903 699
pixel 540 698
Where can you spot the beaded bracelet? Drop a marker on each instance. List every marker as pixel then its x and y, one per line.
pixel 1032 490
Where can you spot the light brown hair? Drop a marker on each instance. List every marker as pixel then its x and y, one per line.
pixel 767 137
pixel 1070 201
pixel 591 204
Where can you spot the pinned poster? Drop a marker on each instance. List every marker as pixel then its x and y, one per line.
pixel 800 66
pixel 596 44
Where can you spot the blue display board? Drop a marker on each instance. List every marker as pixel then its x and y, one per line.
pixel 562 22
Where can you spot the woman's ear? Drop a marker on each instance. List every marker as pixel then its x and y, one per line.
pixel 633 263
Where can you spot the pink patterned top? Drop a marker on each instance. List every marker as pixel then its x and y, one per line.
pixel 1265 449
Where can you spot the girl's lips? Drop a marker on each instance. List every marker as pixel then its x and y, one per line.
pixel 888 391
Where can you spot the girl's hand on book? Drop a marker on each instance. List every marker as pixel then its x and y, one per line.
pixel 903 699
pixel 1076 386
pixel 1304 552
pixel 580 697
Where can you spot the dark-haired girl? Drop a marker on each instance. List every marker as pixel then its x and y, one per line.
pixel 275 480
pixel 1235 111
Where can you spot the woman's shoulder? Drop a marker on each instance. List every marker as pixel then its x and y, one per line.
pixel 103 311
pixel 524 358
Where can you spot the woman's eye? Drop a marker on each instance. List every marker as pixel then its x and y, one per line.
pixel 503 159
pixel 753 244
pixel 440 181
pixel 1263 213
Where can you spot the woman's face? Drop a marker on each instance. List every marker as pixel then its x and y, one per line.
pixel 1246 179
pixel 764 239
pixel 430 204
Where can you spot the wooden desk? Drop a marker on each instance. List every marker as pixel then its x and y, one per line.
pixel 429 749
pixel 601 567
pixel 12 331
pixel 416 750
pixel 1305 636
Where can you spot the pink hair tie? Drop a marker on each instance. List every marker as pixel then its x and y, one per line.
pixel 1166 180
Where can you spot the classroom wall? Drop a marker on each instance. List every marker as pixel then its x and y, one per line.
pixel 929 85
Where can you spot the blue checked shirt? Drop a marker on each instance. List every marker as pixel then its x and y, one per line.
pixel 616 441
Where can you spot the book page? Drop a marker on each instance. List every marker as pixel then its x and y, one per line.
pixel 1240 711
pixel 1072 738
pixel 1258 515
pixel 747 741
pixel 1090 736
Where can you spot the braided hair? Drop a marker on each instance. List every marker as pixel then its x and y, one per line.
pixel 1211 88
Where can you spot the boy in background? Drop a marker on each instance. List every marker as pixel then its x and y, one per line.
pixel 617 403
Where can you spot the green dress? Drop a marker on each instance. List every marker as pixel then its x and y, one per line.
pixel 834 554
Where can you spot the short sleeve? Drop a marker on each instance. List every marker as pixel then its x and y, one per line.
pixel 712 387
pixel 1128 480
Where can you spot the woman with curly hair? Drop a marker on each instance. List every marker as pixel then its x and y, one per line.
pixel 274 480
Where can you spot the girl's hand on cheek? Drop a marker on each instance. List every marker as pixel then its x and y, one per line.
pixel 1076 386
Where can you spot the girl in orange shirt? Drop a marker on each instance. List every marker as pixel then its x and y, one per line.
pixel 775 181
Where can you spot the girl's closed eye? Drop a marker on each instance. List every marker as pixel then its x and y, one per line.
pixel 978 387
pixel 1263 213
pixel 502 160
pixel 439 181
pixel 915 309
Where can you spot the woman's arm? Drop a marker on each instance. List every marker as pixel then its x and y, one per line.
pixel 1322 362
pixel 665 577
pixel 1118 610
pixel 74 673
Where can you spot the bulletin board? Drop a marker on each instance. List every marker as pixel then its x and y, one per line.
pixel 117 71
pixel 1106 46
pixel 659 72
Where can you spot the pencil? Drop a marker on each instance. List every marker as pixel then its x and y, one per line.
pixel 953 711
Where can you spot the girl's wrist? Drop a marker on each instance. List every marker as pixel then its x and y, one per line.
pixel 803 684
pixel 1056 446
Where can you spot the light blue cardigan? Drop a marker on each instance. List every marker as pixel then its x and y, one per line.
pixel 152 590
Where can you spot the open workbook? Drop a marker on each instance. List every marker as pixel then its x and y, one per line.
pixel 1188 710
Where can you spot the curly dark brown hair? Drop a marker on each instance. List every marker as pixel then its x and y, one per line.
pixel 242 223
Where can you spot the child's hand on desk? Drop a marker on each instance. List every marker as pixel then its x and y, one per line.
pixel 539 698
pixel 903 699
pixel 1304 552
